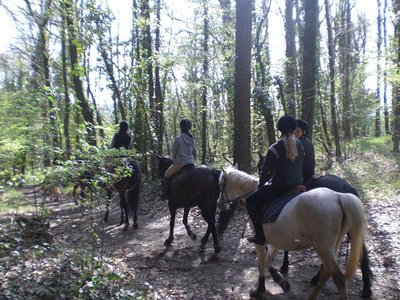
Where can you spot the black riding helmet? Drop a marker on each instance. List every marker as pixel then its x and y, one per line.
pixel 303 125
pixel 185 125
pixel 123 126
pixel 287 124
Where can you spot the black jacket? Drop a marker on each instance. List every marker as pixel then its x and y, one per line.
pixel 121 139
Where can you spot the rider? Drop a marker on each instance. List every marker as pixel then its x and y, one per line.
pixel 184 152
pixel 309 154
pixel 123 137
pixel 283 167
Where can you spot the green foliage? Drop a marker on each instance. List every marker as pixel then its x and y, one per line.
pixel 381 145
pixel 13 201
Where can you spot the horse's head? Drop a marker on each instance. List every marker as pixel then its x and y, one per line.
pixel 235 185
pixel 261 160
pixel 163 163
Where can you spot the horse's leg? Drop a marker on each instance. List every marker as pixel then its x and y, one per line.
pixel 124 210
pixel 329 268
pixel 259 292
pixel 276 276
pixel 366 274
pixel 108 202
pixel 186 224
pixel 285 264
pixel 74 192
pixel 170 238
pixel 134 202
pixel 210 220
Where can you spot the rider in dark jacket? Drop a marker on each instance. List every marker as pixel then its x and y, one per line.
pixel 283 168
pixel 122 138
pixel 309 154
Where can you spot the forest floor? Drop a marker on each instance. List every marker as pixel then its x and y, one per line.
pixel 49 260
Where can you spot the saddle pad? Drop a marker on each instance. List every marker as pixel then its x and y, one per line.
pixel 276 206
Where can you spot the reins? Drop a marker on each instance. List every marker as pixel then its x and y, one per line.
pixel 235 200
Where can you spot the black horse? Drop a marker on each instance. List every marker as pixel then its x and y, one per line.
pixel 197 186
pixel 128 188
pixel 336 184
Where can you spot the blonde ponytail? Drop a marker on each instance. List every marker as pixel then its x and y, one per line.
pixel 289 141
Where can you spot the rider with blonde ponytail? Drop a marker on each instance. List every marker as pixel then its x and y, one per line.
pixel 282 170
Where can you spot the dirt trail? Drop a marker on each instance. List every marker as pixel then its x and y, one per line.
pixel 182 272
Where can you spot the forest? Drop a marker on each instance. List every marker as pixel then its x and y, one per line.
pixel 73 70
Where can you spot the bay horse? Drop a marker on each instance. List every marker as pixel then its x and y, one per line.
pixel 197 186
pixel 321 217
pixel 127 186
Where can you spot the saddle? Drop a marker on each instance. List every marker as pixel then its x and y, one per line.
pixel 272 211
pixel 184 169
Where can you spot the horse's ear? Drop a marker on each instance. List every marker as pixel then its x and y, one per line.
pixel 260 155
pixel 235 166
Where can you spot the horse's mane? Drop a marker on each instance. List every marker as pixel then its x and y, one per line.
pixel 238 182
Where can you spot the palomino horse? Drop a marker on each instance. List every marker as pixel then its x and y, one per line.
pixel 128 187
pixel 319 218
pixel 197 186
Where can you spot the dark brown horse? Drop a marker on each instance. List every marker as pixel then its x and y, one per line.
pixel 199 187
pixel 127 186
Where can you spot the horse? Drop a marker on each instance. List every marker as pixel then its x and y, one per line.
pixel 327 208
pixel 336 184
pixel 127 186
pixel 197 186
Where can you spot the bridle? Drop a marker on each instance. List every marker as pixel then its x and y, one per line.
pixel 224 194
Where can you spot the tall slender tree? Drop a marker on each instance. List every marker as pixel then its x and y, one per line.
pixel 76 69
pixel 205 80
pixel 378 72
pixel 332 91
pixel 241 112
pixel 309 61
pixel 291 59
pixel 396 84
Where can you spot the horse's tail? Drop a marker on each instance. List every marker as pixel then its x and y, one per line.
pixel 355 219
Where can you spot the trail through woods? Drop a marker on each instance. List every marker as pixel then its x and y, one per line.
pixel 181 271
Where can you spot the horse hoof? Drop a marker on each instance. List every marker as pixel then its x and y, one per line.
pixel 285 286
pixel 258 294
pixel 202 249
pixel 314 280
pixel 125 228
pixel 193 236
pixel 167 243
pixel 366 293
pixel 217 249
pixel 135 226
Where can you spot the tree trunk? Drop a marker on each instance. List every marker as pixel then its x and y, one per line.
pixel 262 101
pixel 396 85
pixel 345 61
pixel 204 84
pixel 332 92
pixel 309 61
pixel 385 75
pixel 378 73
pixel 241 112
pixel 291 59
pixel 158 89
pixel 65 80
pixel 73 41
